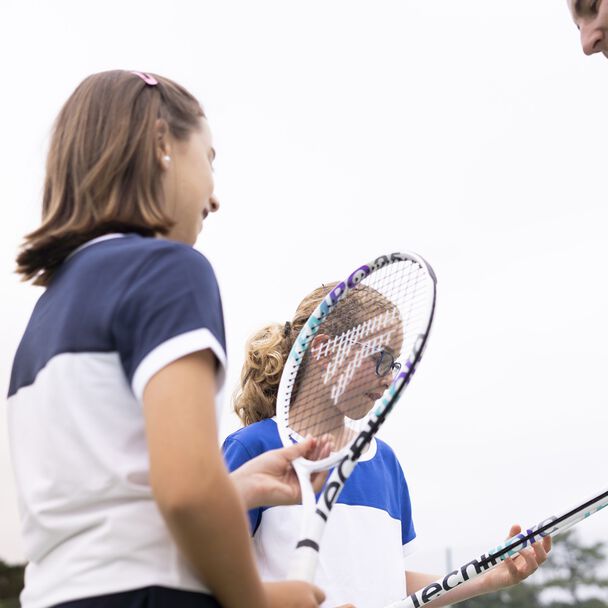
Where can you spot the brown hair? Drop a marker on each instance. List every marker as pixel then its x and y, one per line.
pixel 102 174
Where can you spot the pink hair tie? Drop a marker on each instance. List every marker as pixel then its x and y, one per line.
pixel 147 78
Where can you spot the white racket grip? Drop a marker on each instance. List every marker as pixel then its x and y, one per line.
pixel 303 565
pixel 304 561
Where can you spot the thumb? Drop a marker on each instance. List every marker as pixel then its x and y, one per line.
pixel 319 595
pixel 515 529
pixel 299 449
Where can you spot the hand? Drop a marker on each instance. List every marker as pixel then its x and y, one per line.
pixel 515 569
pixel 269 479
pixel 293 594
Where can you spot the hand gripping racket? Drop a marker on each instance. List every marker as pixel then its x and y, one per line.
pixel 548 527
pixel 348 366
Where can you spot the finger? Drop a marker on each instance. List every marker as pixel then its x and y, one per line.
pixel 318 593
pixel 327 444
pixel 531 564
pixel 547 544
pixel 512 568
pixel 515 529
pixel 539 551
pixel 322 449
pixel 318 480
pixel 298 450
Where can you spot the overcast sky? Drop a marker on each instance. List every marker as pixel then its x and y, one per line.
pixel 473 133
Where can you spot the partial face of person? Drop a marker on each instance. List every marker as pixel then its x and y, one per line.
pixel 188 183
pixel 591 18
pixel 361 370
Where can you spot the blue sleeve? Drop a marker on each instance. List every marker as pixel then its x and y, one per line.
pixel 235 455
pixel 171 308
pixel 408 533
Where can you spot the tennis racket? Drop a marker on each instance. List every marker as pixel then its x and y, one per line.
pixel 348 366
pixel 548 527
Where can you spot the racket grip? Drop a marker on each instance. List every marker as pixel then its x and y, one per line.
pixel 303 564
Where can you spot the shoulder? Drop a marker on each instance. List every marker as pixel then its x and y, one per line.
pixel 386 454
pixel 159 256
pixel 133 254
pixel 250 441
pixel 385 465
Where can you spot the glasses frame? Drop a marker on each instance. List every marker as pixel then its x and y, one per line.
pixel 394 365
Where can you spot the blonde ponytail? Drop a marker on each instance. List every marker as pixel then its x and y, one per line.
pixel 265 355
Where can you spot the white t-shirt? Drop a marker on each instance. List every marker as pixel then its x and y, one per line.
pixel 118 311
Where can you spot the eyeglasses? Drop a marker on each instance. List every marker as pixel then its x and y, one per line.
pixel 386 363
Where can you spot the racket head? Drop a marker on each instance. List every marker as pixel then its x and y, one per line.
pixel 356 353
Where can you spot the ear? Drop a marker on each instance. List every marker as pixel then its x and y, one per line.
pixel 316 347
pixel 319 339
pixel 163 144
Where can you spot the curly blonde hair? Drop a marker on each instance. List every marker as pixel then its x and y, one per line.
pixel 265 354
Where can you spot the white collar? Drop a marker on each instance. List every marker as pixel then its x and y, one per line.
pixel 99 239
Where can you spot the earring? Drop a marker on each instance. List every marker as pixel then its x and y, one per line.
pixel 167 158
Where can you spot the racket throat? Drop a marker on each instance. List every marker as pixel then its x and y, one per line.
pixel 306 555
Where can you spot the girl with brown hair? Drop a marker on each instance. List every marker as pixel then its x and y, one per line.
pixel 124 497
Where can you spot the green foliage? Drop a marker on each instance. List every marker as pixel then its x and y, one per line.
pixel 11 583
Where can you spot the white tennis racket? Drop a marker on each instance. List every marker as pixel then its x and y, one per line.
pixel 344 374
pixel 548 527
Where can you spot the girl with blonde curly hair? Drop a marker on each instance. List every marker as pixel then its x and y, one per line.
pixel 365 569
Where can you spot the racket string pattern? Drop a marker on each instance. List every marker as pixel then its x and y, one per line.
pixel 334 387
pixel 337 384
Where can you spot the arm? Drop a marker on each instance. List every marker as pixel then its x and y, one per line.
pixel 510 572
pixel 194 492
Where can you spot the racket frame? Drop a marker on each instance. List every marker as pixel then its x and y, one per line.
pixel 307 550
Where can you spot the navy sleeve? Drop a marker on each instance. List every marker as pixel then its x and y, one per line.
pixel 171 308
pixel 235 455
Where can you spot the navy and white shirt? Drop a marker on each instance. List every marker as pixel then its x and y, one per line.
pixel 119 309
pixel 366 538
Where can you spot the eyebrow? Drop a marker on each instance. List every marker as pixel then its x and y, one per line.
pixel 578 10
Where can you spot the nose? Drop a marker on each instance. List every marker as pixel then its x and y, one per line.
pixel 215 203
pixel 592 38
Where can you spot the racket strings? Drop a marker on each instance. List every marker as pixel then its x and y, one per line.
pixel 337 383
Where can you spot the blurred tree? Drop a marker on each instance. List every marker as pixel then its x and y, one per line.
pixel 575 568
pixel 11 583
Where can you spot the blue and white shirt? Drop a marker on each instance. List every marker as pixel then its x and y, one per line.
pixel 119 309
pixel 369 533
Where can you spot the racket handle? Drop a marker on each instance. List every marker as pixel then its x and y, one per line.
pixel 303 564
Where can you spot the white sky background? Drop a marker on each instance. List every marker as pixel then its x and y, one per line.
pixel 471 132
